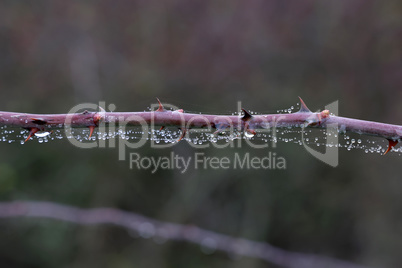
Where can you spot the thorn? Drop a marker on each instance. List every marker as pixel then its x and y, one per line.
pixel 101 109
pixel 32 132
pixel 91 131
pixel 247 116
pixel 162 127
pixel 184 131
pixel 251 131
pixel 160 109
pixel 38 121
pixel 391 144
pixel 303 107
pixel 220 128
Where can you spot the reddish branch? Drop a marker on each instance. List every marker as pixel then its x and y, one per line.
pixel 147 227
pixel 161 117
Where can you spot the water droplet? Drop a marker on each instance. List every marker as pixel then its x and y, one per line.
pixel 42 134
pixel 248 134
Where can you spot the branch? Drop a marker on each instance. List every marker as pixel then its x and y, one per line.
pixel 169 231
pixel 185 121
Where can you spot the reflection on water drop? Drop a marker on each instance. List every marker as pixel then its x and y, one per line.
pixel 42 134
pixel 248 134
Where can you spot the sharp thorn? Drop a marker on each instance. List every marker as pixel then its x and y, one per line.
pixel 183 134
pixel 162 127
pixel 160 109
pixel 31 133
pixel 29 136
pixel 219 129
pixel 251 131
pixel 247 116
pixel 101 109
pixel 91 131
pixel 303 107
pixel 391 144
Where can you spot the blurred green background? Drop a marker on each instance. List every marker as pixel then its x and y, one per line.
pixel 202 56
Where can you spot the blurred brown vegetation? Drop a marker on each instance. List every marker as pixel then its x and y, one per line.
pixel 202 56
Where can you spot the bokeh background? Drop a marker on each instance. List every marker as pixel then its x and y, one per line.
pixel 202 56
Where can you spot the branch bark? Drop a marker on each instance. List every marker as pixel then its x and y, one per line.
pixel 148 227
pixel 161 117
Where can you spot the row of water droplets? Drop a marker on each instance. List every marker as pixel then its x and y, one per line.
pixel 312 137
pixel 11 135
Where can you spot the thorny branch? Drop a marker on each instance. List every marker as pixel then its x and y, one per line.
pixel 185 121
pixel 169 231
